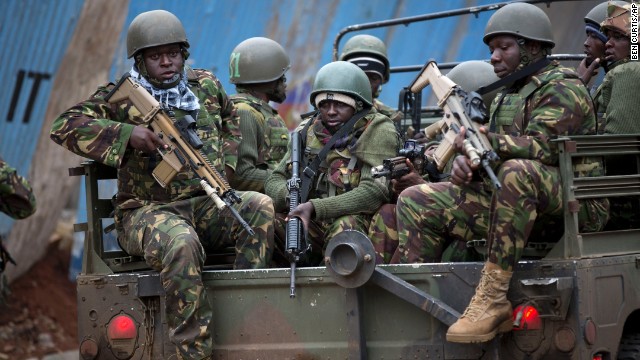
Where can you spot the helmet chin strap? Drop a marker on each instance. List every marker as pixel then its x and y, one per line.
pixel 525 54
pixel 526 57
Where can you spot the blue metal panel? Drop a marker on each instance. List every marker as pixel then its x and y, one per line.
pixel 33 37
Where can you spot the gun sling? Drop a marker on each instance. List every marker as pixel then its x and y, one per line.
pixel 310 171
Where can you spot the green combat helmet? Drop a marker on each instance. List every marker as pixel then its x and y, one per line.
pixel 521 20
pixel 474 74
pixel 345 78
pixel 257 60
pixel 597 14
pixel 154 28
pixel 367 45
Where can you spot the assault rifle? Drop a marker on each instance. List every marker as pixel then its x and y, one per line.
pixel 183 147
pixel 295 231
pixel 460 109
pixel 396 167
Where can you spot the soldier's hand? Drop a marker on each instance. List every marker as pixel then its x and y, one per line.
pixel 462 171
pixel 421 138
pixel 410 179
pixel 458 141
pixel 145 140
pixel 304 211
pixel 587 72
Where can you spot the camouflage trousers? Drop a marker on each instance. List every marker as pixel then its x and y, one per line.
pixel 383 233
pixel 431 216
pixel 174 239
pixel 318 236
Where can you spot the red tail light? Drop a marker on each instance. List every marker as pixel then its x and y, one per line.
pixel 597 357
pixel 122 332
pixel 526 317
pixel 122 327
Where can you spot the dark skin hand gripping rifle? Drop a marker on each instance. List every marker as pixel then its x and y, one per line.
pixel 461 109
pixel 183 147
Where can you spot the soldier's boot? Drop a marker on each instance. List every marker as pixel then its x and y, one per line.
pixel 489 311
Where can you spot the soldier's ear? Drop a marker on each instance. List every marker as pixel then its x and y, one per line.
pixel 535 47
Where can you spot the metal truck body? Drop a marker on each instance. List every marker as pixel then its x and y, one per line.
pixel 583 293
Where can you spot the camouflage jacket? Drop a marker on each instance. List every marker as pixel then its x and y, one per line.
pixel 101 131
pixel 552 103
pixel 264 142
pixel 343 184
pixel 16 196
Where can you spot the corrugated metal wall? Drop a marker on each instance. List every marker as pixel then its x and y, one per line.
pixel 34 35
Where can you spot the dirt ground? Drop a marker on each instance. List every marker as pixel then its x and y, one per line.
pixel 40 317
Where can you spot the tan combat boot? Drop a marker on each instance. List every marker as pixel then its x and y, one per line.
pixel 489 311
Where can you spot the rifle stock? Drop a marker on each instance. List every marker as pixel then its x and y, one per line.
pixel 461 109
pixel 183 147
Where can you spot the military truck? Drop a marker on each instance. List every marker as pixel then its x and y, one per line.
pixel 575 297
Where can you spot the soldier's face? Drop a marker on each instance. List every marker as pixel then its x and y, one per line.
pixel 163 62
pixel 335 113
pixel 505 54
pixel 279 93
pixel 593 47
pixel 618 47
pixel 376 81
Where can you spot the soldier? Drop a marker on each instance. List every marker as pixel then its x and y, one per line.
pixel 257 67
pixel 171 227
pixel 616 101
pixel 593 44
pixel 17 201
pixel 617 96
pixel 471 76
pixel 370 54
pixel 342 194
pixel 543 100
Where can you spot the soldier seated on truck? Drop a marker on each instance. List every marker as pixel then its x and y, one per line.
pixel 616 101
pixel 257 66
pixel 541 101
pixel 174 223
pixel 342 141
pixel 370 54
pixel 470 76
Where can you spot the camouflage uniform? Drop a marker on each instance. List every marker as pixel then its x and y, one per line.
pixel 553 103
pixel 16 196
pixel 17 201
pixel 173 227
pixel 345 195
pixel 264 142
